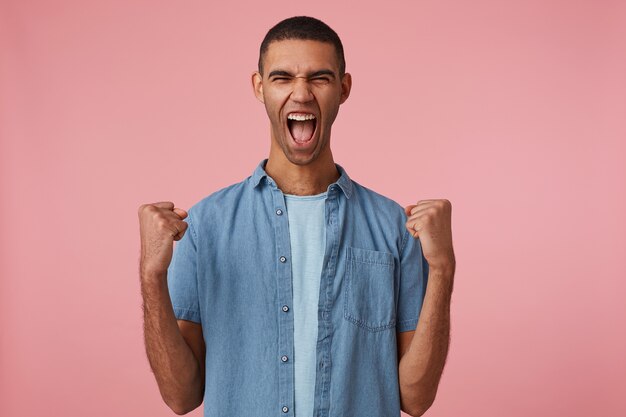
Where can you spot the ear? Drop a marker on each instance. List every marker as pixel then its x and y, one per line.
pixel 346 86
pixel 257 86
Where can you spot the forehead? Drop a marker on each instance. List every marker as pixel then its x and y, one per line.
pixel 300 55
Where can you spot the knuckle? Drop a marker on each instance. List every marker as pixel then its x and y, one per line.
pixel 144 208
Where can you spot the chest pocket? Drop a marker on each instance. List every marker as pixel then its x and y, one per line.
pixel 369 290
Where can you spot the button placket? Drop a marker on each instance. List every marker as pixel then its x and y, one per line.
pixel 284 283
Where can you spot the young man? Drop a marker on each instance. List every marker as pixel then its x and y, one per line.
pixel 298 291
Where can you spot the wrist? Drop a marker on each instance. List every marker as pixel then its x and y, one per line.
pixel 153 276
pixel 445 269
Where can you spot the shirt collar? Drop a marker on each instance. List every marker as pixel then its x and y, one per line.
pixel 344 181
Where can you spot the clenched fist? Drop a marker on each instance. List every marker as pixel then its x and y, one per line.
pixel 430 222
pixel 160 224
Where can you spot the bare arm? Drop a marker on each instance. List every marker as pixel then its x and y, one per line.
pixel 423 352
pixel 175 350
pixel 421 364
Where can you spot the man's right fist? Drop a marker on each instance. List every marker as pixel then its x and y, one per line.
pixel 160 224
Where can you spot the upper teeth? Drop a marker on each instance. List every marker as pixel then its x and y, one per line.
pixel 300 117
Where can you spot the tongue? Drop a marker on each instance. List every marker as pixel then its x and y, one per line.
pixel 302 131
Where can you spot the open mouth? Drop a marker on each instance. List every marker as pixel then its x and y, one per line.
pixel 301 126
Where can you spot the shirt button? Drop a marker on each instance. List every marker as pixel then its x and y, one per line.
pixel 279 212
pixel 283 259
pixel 284 358
pixel 285 409
pixel 285 308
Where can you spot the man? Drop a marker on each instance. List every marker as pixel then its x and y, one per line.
pixel 298 291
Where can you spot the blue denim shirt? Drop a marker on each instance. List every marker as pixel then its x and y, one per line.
pixel 231 272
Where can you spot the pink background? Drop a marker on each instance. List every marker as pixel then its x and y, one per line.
pixel 514 111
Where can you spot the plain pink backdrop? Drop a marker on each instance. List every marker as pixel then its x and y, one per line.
pixel 514 111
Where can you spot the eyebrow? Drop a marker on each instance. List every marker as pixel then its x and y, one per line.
pixel 309 75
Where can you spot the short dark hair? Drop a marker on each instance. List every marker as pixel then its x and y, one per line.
pixel 303 28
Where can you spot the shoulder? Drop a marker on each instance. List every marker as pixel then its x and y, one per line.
pixel 378 204
pixel 381 213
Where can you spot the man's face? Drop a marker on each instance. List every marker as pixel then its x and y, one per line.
pixel 302 90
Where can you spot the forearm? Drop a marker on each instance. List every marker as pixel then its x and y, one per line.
pixel 175 367
pixel 420 368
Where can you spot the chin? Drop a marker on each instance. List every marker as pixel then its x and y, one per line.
pixel 301 159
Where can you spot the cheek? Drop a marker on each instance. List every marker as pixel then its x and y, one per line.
pixel 271 108
pixel 273 104
pixel 330 108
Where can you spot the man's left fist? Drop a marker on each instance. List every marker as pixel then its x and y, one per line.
pixel 430 222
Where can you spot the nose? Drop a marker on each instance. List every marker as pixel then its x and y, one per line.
pixel 301 92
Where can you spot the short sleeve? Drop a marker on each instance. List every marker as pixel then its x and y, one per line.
pixel 413 280
pixel 182 276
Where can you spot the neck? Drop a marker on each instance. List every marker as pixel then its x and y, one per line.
pixel 310 179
